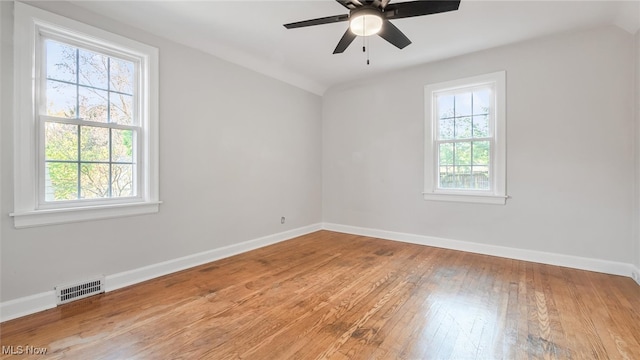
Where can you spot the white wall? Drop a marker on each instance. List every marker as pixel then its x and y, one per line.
pixel 238 151
pixel 570 158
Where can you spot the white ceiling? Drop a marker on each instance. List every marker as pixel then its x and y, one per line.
pixel 250 33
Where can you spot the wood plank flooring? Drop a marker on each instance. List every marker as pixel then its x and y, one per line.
pixel 335 296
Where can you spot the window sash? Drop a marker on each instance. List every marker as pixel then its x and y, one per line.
pixel 437 140
pixel 43 161
pixel 439 165
pixel 436 120
pixel 43 118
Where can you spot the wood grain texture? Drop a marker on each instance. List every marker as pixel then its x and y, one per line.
pixel 329 295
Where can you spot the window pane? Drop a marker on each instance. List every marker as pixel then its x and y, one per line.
pixel 122 145
pixel 122 76
pixel 94 181
pixel 446 129
pixel 94 143
pixel 462 153
pixel 480 126
pixel 481 177
pixel 463 177
pixel 447 177
pixel 446 154
pixel 459 177
pixel 61 99
pixel 463 128
pixel 93 104
pixel 481 153
pixel 61 141
pixel 481 101
pixel 121 109
pixel 61 61
pixel 61 181
pixel 93 69
pixel 445 106
pixel 463 104
pixel 121 180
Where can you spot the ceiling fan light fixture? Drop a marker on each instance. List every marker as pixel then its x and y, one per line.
pixel 365 22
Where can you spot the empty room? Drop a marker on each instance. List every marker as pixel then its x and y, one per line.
pixel 320 179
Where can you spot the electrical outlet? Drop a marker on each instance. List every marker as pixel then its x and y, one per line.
pixel 282 219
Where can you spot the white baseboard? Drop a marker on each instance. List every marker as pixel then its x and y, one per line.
pixel 597 265
pixel 635 274
pixel 27 305
pixel 47 300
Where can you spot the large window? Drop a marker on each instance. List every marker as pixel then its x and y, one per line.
pixel 90 124
pixel 465 144
pixel 86 120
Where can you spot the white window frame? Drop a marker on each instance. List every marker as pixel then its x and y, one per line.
pixel 497 189
pixel 31 24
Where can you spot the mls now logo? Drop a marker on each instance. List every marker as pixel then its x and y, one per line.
pixel 23 350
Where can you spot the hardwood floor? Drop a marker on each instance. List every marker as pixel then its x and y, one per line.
pixel 338 296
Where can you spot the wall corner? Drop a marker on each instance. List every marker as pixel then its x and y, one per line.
pixel 636 149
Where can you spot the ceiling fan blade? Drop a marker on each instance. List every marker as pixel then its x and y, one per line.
pixel 393 35
pixel 319 21
pixel 350 4
pixel 344 43
pixel 418 8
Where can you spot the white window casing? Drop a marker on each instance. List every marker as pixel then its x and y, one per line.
pixel 495 192
pixel 32 25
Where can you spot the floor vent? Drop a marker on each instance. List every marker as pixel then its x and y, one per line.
pixel 71 292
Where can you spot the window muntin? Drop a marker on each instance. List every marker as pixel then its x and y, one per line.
pixel 465 143
pixel 90 124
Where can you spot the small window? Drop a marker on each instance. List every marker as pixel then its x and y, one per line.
pixel 464 140
pixel 88 122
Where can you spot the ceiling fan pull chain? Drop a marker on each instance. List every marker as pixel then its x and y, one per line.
pixel 368 50
pixel 365 41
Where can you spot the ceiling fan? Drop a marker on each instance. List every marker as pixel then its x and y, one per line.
pixel 369 17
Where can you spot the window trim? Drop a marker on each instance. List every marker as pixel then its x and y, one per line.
pixel 497 194
pixel 30 23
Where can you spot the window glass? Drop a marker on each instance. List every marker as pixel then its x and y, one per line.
pixel 463 118
pixel 90 87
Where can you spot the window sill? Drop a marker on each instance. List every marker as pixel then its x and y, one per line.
pixel 33 218
pixel 467 198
